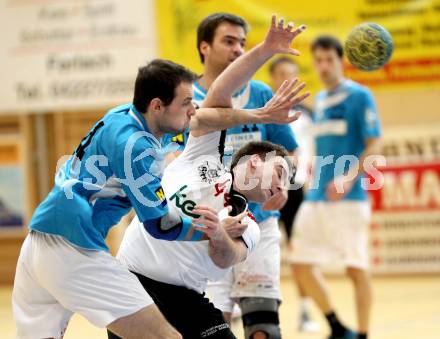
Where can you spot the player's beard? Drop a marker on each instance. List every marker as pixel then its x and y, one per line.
pixel 168 129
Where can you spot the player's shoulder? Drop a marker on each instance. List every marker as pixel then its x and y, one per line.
pixel 118 114
pixel 124 127
pixel 320 95
pixel 357 89
pixel 199 93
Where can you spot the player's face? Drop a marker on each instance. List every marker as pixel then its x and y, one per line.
pixel 227 45
pixel 328 65
pixel 283 71
pixel 176 116
pixel 272 177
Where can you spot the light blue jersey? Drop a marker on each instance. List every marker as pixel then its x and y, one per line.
pixel 117 166
pixel 254 95
pixel 344 119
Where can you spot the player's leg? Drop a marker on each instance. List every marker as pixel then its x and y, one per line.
pixel 145 323
pixel 95 285
pixel 193 315
pixel 313 284
pixel 37 314
pixel 363 295
pixel 313 246
pixel 305 323
pixel 260 318
pixel 257 284
pixel 357 216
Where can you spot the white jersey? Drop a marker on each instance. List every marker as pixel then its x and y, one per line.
pixel 197 176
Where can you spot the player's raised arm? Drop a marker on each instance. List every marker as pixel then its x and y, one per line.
pixel 276 111
pixel 278 40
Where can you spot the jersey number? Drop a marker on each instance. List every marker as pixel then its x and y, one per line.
pixel 81 149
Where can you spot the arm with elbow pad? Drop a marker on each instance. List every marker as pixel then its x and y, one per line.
pixel 172 227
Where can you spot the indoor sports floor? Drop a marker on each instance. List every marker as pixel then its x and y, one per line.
pixel 405 308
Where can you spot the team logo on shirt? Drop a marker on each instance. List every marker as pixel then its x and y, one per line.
pixel 185 205
pixel 209 171
pixel 179 139
pixel 220 187
pixel 371 117
pixel 160 194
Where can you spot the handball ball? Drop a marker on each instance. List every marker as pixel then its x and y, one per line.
pixel 369 46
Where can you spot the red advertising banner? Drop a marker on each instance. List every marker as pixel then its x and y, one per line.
pixel 405 232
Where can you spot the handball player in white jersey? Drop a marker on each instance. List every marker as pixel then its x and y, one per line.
pixel 221 38
pixel 176 274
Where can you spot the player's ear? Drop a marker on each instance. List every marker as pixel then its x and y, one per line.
pixel 204 48
pixel 254 162
pixel 155 105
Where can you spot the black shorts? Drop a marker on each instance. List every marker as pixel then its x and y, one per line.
pixel 190 313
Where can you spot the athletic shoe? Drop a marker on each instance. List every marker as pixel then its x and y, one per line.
pixel 307 325
pixel 349 334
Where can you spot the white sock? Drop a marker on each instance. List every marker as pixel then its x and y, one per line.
pixel 305 305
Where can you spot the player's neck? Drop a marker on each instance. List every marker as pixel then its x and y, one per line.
pixel 334 84
pixel 208 77
pixel 235 187
pixel 153 126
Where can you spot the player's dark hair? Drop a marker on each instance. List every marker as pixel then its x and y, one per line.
pixel 279 61
pixel 328 42
pixel 208 26
pixel 262 148
pixel 159 79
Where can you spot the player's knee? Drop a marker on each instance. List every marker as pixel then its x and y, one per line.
pixel 263 331
pixel 300 270
pixel 357 274
pixel 260 318
pixel 259 335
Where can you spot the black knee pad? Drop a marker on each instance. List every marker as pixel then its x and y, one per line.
pixel 260 314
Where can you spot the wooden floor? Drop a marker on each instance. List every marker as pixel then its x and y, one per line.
pixel 405 308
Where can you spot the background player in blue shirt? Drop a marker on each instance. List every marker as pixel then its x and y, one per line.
pixel 221 38
pixel 64 266
pixel 332 224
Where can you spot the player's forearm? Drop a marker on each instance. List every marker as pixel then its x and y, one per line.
pixel 172 227
pixel 226 252
pixel 235 76
pixel 217 119
pixel 373 148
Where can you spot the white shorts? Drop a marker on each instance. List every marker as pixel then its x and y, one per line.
pixel 257 276
pixel 332 233
pixel 55 279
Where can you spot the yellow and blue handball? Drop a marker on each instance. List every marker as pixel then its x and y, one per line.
pixel 369 46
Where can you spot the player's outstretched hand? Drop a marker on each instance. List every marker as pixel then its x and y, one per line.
pixel 208 222
pixel 276 110
pixel 234 226
pixel 280 37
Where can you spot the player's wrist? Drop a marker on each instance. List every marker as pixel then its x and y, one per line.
pixel 262 115
pixel 264 50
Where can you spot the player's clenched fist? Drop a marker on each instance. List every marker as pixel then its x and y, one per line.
pixel 235 226
pixel 208 222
